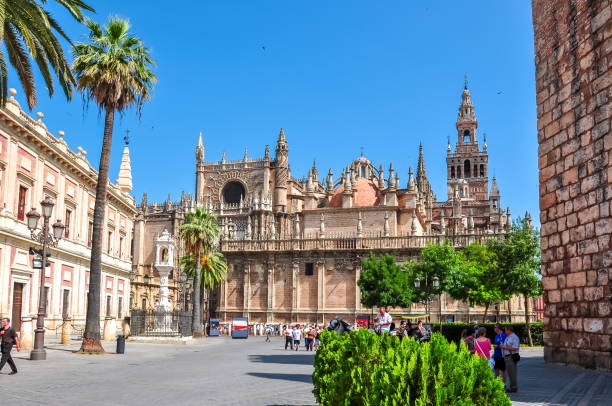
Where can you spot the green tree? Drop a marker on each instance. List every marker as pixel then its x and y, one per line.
pixel 479 281
pixel 212 269
pixel 438 270
pixel 113 70
pixel 518 258
pixel 200 233
pixel 383 282
pixel 28 31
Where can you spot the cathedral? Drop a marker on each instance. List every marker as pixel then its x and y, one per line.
pixel 294 246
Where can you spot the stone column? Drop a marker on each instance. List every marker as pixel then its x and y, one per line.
pixel 246 288
pixel 110 329
pixel 357 290
pixel 66 331
pixel 270 311
pixel 321 288
pixel 26 334
pixel 295 269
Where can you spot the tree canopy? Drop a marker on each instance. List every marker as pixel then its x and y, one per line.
pixel 383 282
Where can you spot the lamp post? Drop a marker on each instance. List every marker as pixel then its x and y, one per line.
pixel 132 276
pixel 46 239
pixel 146 278
pixel 427 289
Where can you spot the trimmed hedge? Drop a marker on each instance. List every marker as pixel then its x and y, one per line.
pixel 362 368
pixel 452 331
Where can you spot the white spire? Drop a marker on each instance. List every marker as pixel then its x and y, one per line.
pixel 124 181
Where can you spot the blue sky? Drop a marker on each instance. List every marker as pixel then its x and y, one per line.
pixel 338 76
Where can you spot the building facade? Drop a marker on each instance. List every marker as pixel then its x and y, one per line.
pixel 572 56
pixel 295 245
pixel 35 164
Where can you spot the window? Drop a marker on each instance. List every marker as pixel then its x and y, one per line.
pixel 109 242
pixel 46 299
pixel 67 223
pixel 459 171
pixel 233 192
pixel 466 137
pixel 120 247
pixel 108 306
pixel 65 303
pixel 452 172
pixel 119 308
pixel 89 233
pixel 144 303
pixel 21 203
pixel 482 171
pixel 309 269
pixel 362 172
pixel 467 169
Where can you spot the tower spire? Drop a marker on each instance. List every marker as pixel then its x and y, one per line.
pixel 124 181
pixel 200 149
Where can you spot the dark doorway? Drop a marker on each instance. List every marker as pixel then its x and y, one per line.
pixel 467 169
pixel 65 303
pixel 17 306
pixel 232 192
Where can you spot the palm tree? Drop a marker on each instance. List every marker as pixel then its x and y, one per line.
pixel 201 235
pixel 113 70
pixel 212 269
pixel 28 30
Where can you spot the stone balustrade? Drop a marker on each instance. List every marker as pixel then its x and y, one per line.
pixel 351 244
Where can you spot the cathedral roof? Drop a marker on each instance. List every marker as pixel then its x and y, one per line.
pixel 366 191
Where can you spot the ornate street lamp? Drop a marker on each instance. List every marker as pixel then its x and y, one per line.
pixel 426 288
pixel 46 238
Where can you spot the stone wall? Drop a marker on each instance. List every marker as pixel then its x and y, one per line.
pixel 572 49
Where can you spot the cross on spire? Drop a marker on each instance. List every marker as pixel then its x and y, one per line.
pixel 126 139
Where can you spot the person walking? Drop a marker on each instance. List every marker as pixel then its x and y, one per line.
pixel 297 336
pixel 9 338
pixel 499 368
pixel 268 333
pixel 482 344
pixel 510 350
pixel 288 337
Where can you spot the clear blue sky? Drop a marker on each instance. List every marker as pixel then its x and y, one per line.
pixel 337 76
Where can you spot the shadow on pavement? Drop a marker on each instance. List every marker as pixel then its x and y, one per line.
pixel 305 378
pixel 301 359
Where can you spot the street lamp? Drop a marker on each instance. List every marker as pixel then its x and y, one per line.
pixel 46 239
pixel 426 289
pixel 182 285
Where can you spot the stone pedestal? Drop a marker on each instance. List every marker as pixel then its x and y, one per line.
pixel 26 335
pixel 66 328
pixel 110 329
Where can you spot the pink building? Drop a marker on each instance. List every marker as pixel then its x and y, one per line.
pixel 35 164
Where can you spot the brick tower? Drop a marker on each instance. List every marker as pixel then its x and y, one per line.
pixel 467 168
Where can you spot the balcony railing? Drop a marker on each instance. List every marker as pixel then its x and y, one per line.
pixel 352 244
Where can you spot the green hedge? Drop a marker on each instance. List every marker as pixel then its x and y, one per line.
pixel 452 331
pixel 362 368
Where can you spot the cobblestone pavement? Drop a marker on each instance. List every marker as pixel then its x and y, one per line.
pixel 222 371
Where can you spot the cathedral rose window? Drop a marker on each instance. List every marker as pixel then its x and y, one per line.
pixel 232 192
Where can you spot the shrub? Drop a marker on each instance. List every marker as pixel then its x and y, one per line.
pixel 452 331
pixel 361 368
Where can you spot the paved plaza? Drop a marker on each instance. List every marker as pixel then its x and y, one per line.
pixel 222 371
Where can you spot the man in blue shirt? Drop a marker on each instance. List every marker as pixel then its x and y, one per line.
pixel 498 357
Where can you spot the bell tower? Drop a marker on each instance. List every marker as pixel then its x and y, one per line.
pixel 468 165
pixel 281 174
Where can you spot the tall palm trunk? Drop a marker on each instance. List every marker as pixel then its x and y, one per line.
pixel 196 324
pixel 91 337
pixel 527 320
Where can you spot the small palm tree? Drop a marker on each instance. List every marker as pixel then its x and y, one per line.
pixel 201 235
pixel 27 31
pixel 212 269
pixel 113 70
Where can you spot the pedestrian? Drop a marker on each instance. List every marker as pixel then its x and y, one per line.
pixel 268 333
pixel 482 344
pixel 498 357
pixel 467 338
pixel 9 338
pixel 312 333
pixel 288 337
pixel 383 321
pixel 317 335
pixel 510 349
pixel 297 336
pixel 306 331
